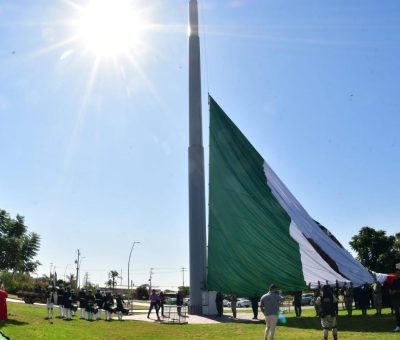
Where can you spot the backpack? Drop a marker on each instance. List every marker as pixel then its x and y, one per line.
pixel 328 307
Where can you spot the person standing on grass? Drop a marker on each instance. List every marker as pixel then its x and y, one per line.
pixel 90 305
pixel 269 305
pixel 233 305
pixel 154 300
pixel 3 304
pixel 377 289
pixel 68 304
pixel 297 302
pixel 82 302
pixel 317 294
pixel 99 302
pixel 161 303
pixel 108 305
pixel 363 299
pixel 254 306
pixel 50 301
pixel 60 301
pixel 327 311
pixel 348 298
pixel 120 306
pixel 394 292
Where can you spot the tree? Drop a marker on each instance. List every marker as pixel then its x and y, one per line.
pixel 397 242
pixel 18 247
pixel 142 292
pixel 375 250
pixel 185 290
pixel 71 280
pixel 113 275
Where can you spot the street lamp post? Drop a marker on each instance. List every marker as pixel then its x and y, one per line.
pixel 129 262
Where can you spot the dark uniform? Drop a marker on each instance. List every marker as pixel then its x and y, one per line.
pixel 82 302
pixel 297 302
pixel 68 303
pixel 120 306
pixel 395 296
pixel 99 302
pixel 162 302
pixel 219 299
pixel 108 305
pixel 254 306
pixel 90 305
pixel 60 301
pixel 327 311
pixel 363 299
pixel 74 303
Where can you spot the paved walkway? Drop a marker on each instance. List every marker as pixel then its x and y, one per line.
pixel 195 319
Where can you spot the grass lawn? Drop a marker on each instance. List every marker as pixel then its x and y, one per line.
pixel 28 322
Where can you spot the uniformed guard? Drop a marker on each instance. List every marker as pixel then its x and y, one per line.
pixel 327 311
pixel 74 302
pixel 90 305
pixel 99 302
pixel 348 293
pixel 60 301
pixel 108 305
pixel 68 303
pixel 120 306
pixel 51 300
pixel 82 302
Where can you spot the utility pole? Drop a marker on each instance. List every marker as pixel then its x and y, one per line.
pixel 120 278
pixel 77 269
pixel 197 211
pixel 151 276
pixel 183 276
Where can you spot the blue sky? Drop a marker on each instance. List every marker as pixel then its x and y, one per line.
pixel 96 158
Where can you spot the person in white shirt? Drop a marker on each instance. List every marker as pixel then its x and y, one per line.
pixel 269 305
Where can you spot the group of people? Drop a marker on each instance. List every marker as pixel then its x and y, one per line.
pixel 89 303
pixel 157 302
pixel 219 302
pixel 326 303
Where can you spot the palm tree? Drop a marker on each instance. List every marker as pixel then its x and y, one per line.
pixel 71 280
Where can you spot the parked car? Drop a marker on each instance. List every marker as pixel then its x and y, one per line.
pixel 307 299
pixel 226 303
pixel 243 303
pixel 170 301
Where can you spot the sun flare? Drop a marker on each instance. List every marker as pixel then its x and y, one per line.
pixel 109 27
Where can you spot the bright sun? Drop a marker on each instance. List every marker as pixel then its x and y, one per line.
pixel 109 27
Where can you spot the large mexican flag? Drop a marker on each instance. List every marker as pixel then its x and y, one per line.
pixel 258 232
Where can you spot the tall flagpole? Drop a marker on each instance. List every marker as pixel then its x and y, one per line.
pixel 197 213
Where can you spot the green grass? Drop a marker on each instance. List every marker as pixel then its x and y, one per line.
pixel 28 322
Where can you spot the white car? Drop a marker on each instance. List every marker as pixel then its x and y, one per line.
pixel 243 303
pixel 226 303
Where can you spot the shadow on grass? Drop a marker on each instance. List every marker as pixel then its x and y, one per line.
pixel 12 322
pixel 355 323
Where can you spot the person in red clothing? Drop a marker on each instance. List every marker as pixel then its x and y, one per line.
pixel 3 305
